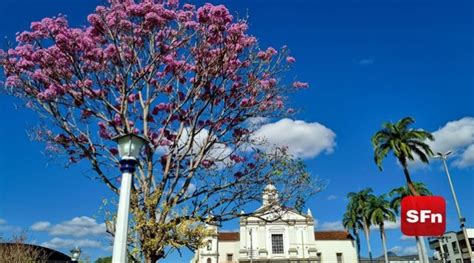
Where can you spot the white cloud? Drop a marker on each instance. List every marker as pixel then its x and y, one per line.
pixel 388 225
pixel 332 225
pixel 303 139
pixel 76 227
pixel 407 238
pixel 456 136
pixel 466 158
pixel 57 242
pixel 257 121
pixel 4 227
pixel 399 250
pixel 332 197
pixel 40 226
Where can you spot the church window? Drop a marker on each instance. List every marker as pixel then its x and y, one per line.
pixel 339 257
pixel 209 245
pixel 209 260
pixel 277 244
pixel 230 257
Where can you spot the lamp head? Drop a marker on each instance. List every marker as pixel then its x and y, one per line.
pixel 130 145
pixel 75 253
pixel 443 156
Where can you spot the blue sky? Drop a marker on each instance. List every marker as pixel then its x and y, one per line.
pixel 367 62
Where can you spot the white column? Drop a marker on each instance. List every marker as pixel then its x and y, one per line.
pixel 121 229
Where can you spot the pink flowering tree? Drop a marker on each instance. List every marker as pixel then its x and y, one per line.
pixel 190 80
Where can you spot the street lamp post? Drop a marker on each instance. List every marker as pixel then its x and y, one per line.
pixel 129 147
pixel 75 254
pixel 462 220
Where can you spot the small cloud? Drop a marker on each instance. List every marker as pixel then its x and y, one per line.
pixel 400 250
pixel 466 158
pixel 388 225
pixel 332 197
pixel 40 226
pixel 366 61
pixel 303 139
pixel 332 225
pixel 76 227
pixel 407 238
pixel 4 227
pixel 57 243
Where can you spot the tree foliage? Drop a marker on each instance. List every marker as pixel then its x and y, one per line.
pixel 404 142
pixel 397 194
pixel 188 79
pixel 356 215
pixel 16 250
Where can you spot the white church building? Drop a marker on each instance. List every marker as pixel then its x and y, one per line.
pixel 283 236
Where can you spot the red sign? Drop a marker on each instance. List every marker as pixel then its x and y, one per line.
pixel 423 216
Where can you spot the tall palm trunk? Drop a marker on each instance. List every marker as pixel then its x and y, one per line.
pixel 367 238
pixel 409 181
pixel 356 234
pixel 420 242
pixel 384 243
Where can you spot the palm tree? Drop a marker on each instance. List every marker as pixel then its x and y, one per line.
pixel 405 143
pixel 357 203
pixel 352 221
pixel 378 211
pixel 399 193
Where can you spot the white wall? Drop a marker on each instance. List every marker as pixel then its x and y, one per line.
pixel 228 247
pixel 329 248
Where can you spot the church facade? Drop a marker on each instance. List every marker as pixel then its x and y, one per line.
pixel 288 236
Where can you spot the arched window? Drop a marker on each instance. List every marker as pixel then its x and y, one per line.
pixel 209 245
pixel 209 260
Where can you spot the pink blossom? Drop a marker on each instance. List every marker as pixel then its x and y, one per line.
pixel 113 151
pixel 117 120
pixel 173 3
pixel 290 59
pixel 132 98
pixel 236 158
pixel 189 7
pixel 300 85
pixel 13 81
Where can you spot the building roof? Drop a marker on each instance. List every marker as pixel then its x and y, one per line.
pixel 318 235
pixel 332 235
pixel 228 236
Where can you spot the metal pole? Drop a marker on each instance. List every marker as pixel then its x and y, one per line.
pixel 462 220
pixel 127 166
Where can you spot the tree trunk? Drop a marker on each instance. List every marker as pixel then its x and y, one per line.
pixel 420 240
pixel 152 258
pixel 384 243
pixel 149 260
pixel 356 234
pixel 367 238
pixel 409 182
